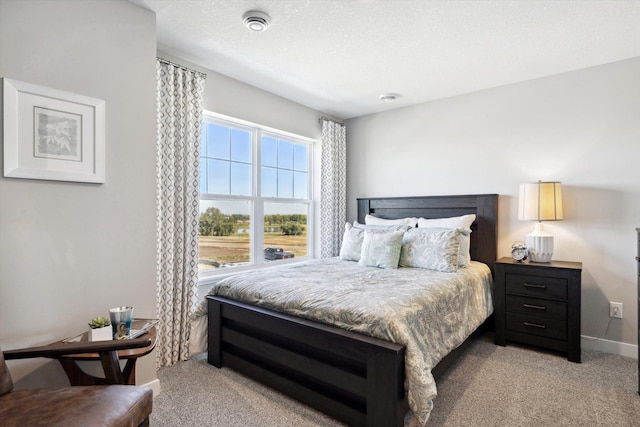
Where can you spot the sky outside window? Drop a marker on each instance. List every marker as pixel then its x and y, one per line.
pixel 227 161
pixel 284 168
pixel 269 151
pixel 300 159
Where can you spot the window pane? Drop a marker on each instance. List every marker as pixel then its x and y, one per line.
pixel 203 175
pixel 300 162
pixel 285 231
pixel 218 141
pixel 300 185
pixel 217 176
pixel 269 182
pixel 224 234
pixel 285 154
pixel 203 138
pixel 240 146
pixel 269 151
pixel 240 179
pixel 285 183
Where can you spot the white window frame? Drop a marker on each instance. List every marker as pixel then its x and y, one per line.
pixel 257 201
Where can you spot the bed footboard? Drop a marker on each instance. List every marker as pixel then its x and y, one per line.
pixel 354 378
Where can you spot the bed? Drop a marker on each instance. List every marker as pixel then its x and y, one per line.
pixel 355 378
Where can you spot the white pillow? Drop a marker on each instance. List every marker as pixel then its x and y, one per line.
pixel 381 249
pixel 392 227
pixel 462 222
pixel 434 249
pixel 351 243
pixel 374 220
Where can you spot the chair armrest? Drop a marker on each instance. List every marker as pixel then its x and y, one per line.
pixel 108 351
pixel 62 349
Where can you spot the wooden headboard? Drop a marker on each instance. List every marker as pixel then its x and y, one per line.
pixel 484 236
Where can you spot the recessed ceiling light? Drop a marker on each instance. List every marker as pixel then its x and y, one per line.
pixel 256 20
pixel 388 97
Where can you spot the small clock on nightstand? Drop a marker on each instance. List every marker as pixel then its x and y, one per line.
pixel 539 304
pixel 519 251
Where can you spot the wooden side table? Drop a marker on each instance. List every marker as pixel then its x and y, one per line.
pixel 539 304
pixel 78 377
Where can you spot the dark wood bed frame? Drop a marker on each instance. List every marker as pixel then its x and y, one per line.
pixel 354 378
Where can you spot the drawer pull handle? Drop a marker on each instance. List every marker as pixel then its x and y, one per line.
pixel 535 325
pixel 531 285
pixel 537 307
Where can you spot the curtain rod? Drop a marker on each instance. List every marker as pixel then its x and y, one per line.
pixel 182 67
pixel 331 120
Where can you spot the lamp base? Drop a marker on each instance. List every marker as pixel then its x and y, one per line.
pixel 540 244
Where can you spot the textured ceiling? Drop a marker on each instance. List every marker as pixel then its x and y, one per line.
pixel 338 56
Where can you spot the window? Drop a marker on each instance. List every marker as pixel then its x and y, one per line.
pixel 255 196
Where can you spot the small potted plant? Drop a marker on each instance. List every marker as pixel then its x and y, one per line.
pixel 100 329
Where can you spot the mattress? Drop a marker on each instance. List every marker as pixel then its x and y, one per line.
pixel 429 312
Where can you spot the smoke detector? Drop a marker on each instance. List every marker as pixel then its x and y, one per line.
pixel 256 20
pixel 388 97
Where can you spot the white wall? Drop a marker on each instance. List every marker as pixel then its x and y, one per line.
pixel 581 128
pixel 69 251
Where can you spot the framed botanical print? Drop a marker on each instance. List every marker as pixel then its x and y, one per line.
pixel 53 135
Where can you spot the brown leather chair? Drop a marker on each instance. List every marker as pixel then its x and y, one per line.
pixel 100 405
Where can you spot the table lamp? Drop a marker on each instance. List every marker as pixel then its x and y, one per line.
pixel 540 201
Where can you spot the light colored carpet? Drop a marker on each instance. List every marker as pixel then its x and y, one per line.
pixel 196 394
pixel 488 386
pixel 517 386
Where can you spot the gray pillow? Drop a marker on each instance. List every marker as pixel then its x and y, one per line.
pixel 432 249
pixel 463 222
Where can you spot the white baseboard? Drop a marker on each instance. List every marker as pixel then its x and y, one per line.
pixel 154 386
pixel 608 346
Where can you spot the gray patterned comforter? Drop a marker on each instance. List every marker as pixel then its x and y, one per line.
pixel 429 312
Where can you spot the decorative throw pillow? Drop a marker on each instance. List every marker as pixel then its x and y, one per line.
pixel 373 220
pixel 462 222
pixel 351 243
pixel 381 249
pixel 431 249
pixel 463 249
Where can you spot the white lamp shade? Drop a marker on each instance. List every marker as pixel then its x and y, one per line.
pixel 540 201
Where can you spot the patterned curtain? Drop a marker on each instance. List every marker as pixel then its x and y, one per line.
pixel 333 192
pixel 179 121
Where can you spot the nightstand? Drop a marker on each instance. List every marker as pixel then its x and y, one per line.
pixel 539 304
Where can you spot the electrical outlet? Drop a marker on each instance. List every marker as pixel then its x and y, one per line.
pixel 615 309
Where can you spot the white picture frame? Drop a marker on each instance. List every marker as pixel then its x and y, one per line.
pixel 51 134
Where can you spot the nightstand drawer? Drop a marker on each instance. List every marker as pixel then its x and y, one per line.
pixel 537 326
pixel 536 286
pixel 536 307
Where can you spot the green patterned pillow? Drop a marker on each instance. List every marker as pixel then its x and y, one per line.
pixel 434 250
pixel 351 243
pixel 381 249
